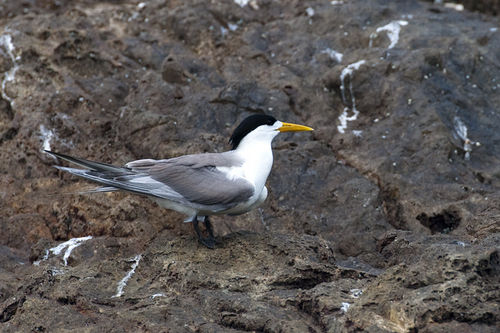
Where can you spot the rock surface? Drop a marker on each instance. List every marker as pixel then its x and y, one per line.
pixel 385 219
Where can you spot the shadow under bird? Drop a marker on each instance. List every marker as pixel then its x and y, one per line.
pixel 199 185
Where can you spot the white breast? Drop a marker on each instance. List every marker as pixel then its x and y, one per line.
pixel 256 157
pixel 257 161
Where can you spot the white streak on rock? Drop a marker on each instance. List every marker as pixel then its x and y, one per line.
pixel 357 133
pixel 55 271
pixel 45 257
pixel 355 293
pixel 68 245
pixel 345 306
pixel 46 136
pixel 393 30
pixel 348 72
pixel 461 132
pixel 157 295
pixel 242 3
pixel 334 55
pixel 310 11
pixel 223 31
pixel 123 282
pixel 344 117
pixel 6 42
pixel 458 7
pixel 336 2
pixel 232 26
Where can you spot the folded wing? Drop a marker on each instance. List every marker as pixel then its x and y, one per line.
pixel 191 180
pixel 197 179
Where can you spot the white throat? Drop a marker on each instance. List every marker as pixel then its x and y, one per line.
pixel 257 155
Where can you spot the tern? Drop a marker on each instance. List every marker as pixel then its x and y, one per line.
pixel 198 185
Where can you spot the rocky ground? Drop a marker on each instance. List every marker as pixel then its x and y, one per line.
pixel 385 219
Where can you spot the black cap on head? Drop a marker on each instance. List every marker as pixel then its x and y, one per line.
pixel 247 125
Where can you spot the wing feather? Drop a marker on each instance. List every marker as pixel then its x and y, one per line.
pixel 197 179
pixel 192 180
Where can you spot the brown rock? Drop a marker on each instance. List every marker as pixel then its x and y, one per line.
pixel 388 221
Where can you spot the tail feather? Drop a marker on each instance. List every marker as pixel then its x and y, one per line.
pixel 96 166
pixel 84 173
pixel 114 178
pixel 100 190
pixel 110 180
pixel 94 175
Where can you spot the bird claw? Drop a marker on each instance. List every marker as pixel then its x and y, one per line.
pixel 208 241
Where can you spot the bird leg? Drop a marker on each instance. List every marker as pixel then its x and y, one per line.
pixel 208 227
pixel 209 241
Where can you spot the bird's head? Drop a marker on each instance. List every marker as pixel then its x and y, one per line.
pixel 262 126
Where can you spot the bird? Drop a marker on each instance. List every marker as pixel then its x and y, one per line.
pixel 198 185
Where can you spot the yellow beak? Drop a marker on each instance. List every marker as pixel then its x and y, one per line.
pixel 287 127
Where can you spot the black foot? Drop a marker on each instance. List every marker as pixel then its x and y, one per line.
pixel 208 227
pixel 208 241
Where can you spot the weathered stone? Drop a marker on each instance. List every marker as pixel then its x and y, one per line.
pixel 383 220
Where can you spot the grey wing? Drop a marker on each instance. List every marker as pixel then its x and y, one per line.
pixel 127 180
pixel 192 180
pixel 197 179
